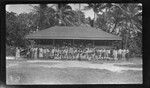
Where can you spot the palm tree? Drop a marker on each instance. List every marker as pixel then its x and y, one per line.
pixel 62 15
pixel 66 15
pixel 97 7
pixel 41 11
pixel 127 20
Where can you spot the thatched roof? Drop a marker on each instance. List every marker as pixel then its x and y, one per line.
pixel 75 32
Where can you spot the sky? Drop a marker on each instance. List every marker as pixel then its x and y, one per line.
pixel 26 8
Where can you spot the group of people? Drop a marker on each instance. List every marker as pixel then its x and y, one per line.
pixel 79 53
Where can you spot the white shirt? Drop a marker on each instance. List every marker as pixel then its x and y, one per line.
pixel 17 52
pixel 108 51
pixel 127 51
pixel 119 51
pixel 41 52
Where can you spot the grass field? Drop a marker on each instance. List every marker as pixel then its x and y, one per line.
pixel 24 72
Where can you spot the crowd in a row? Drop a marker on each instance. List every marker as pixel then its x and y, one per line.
pixel 78 53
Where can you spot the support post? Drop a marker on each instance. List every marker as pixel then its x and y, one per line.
pixel 122 43
pixel 93 43
pixel 73 42
pixel 53 42
pixel 32 46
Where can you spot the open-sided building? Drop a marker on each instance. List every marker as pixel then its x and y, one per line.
pixel 84 35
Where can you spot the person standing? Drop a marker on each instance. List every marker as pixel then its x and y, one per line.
pixel 71 52
pixel 126 51
pixel 115 54
pixel 35 53
pixel 123 54
pixel 41 53
pixel 100 53
pixel 17 53
pixel 52 52
pixel 87 53
pixel 79 54
pixel 127 54
pixel 111 53
pixel 119 54
pixel 108 54
pixel 103 54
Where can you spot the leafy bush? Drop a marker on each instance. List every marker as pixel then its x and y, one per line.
pixel 10 51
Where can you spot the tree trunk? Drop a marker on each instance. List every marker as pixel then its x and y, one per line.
pixel 42 16
pixel 127 36
pixel 126 45
pixel 59 12
pixel 79 18
pixel 94 19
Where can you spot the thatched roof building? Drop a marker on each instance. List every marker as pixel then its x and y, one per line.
pixel 84 32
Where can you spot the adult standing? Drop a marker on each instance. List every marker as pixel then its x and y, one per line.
pixel 40 52
pixel 35 53
pixel 17 53
pixel 124 54
pixel 127 54
pixel 119 53
pixel 108 54
pixel 115 54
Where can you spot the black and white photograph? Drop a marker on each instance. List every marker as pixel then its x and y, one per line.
pixel 74 43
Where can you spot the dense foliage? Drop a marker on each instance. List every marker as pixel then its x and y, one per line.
pixel 123 20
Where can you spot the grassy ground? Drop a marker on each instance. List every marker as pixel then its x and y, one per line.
pixel 28 73
pixel 73 75
pixel 131 60
pixel 131 65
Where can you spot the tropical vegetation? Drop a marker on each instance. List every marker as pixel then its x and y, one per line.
pixel 121 19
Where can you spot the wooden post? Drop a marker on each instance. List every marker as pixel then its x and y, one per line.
pixel 53 42
pixel 73 42
pixel 122 43
pixel 93 43
pixel 32 46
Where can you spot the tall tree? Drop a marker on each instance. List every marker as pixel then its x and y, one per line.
pixel 123 19
pixel 16 29
pixel 10 28
pixel 62 15
pixel 40 11
pixel 97 7
pixel 66 15
pixel 127 21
